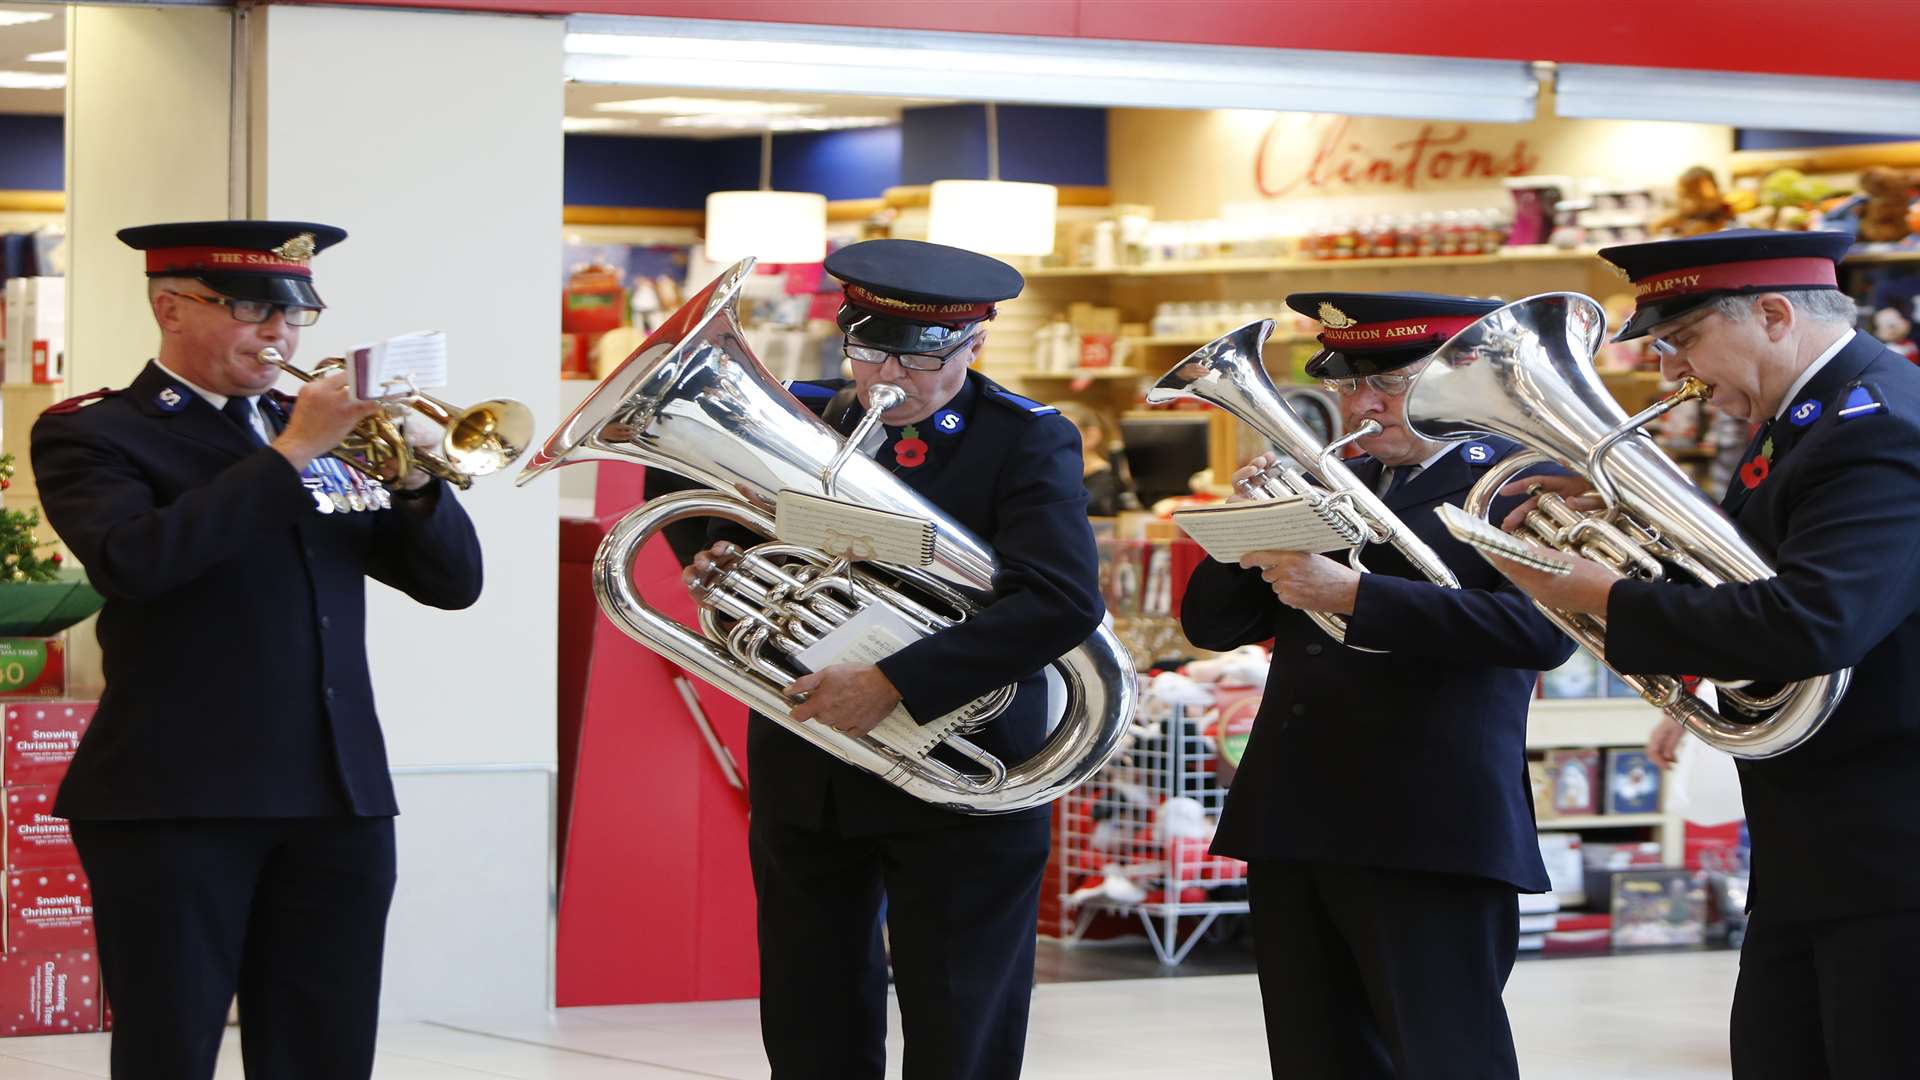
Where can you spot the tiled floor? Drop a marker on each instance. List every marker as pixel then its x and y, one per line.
pixel 1606 1018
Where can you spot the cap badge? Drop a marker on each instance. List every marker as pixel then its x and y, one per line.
pixel 1334 317
pixel 297 250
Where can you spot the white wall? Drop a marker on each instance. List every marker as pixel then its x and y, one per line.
pixel 435 141
pixel 148 94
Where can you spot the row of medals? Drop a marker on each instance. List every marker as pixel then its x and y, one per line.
pixel 339 489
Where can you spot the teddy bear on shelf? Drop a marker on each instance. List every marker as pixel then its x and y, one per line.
pixel 1890 193
pixel 1699 207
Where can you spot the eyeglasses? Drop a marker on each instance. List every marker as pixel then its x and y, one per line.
pixel 1392 383
pixel 867 354
pixel 256 311
pixel 1674 342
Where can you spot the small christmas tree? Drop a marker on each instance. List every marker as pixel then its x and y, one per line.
pixel 20 550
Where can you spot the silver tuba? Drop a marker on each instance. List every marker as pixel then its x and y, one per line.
pixel 694 400
pixel 1228 372
pixel 1526 372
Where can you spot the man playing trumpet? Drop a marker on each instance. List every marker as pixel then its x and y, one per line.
pixel 231 802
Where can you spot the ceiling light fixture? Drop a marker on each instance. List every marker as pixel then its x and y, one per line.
pixel 32 80
pixel 685 106
pixel 771 226
pixel 993 216
pixel 720 54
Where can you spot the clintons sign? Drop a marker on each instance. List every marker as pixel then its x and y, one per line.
pixel 1332 155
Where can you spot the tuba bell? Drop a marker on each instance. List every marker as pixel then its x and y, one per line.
pixel 1526 372
pixel 1228 372
pixel 695 401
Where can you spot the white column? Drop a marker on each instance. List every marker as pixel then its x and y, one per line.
pixel 148 131
pixel 434 140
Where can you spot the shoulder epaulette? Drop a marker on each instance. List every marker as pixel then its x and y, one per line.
pixel 75 404
pixel 1011 400
pixel 810 391
pixel 1486 450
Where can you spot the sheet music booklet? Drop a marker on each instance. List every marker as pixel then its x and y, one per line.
pixel 861 532
pixel 1230 530
pixel 416 361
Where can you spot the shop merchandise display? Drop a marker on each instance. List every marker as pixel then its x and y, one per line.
pixel 1133 841
pixel 49 972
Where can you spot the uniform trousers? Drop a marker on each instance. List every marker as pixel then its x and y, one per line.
pixel 290 914
pixel 961 906
pixel 1373 973
pixel 1835 999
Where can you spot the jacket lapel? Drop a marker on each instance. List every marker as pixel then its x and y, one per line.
pixel 1433 483
pixel 185 413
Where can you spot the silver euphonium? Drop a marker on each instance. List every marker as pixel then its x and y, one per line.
pixel 695 401
pixel 1228 372
pixel 1526 372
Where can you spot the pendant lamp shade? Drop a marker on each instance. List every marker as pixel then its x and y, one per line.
pixel 771 226
pixel 993 217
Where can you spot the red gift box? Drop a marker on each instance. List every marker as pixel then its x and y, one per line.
pixel 36 840
pixel 33 667
pixel 49 910
pixel 49 993
pixel 41 739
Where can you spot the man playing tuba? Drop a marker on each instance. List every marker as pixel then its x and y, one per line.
pixel 1829 492
pixel 828 841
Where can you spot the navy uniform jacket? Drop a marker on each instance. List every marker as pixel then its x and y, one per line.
pixel 1411 759
pixel 1836 821
pixel 1008 470
pixel 233 636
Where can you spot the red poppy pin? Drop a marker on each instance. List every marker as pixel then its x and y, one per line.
pixel 1753 472
pixel 911 451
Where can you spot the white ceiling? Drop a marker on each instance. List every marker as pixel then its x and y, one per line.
pixel 18 42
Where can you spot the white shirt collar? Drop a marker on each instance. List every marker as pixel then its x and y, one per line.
pixel 1813 369
pixel 218 401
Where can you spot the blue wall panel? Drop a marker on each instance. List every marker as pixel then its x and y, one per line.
pixel 1046 144
pixel 33 154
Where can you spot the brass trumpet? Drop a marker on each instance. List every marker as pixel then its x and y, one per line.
pixel 478 440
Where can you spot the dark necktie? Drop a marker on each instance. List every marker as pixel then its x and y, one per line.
pixel 1397 477
pixel 240 410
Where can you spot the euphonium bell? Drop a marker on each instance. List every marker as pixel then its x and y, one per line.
pixel 476 441
pixel 1228 372
pixel 1526 372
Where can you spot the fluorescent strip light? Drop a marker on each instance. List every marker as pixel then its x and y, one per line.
pixel 762 57
pixel 585 124
pixel 774 123
pixel 57 56
pixel 1791 102
pixel 32 80
pixel 683 106
pixel 21 18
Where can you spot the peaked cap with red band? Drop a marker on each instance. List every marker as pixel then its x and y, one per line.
pixel 1365 334
pixel 1672 277
pixel 246 260
pixel 909 296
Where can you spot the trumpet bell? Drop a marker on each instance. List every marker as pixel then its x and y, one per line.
pixel 488 437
